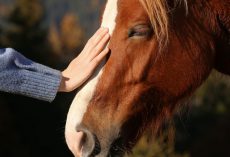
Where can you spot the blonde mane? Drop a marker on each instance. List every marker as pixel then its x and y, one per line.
pixel 157 11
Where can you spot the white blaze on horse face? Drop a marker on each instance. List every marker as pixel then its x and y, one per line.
pixel 85 94
pixel 109 16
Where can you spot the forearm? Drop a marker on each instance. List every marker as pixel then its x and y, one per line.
pixel 20 75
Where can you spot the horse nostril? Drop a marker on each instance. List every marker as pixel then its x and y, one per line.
pixel 89 143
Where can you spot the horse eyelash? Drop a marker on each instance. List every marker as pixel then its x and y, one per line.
pixel 133 32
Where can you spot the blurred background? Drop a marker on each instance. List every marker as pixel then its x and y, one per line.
pixel 53 32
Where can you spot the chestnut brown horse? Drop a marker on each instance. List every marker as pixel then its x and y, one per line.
pixel 161 51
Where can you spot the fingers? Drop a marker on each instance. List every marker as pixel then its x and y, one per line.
pixel 98 32
pixel 96 38
pixel 100 46
pixel 100 57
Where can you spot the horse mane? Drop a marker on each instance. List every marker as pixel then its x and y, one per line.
pixel 157 11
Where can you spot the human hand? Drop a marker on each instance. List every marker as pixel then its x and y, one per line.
pixel 82 67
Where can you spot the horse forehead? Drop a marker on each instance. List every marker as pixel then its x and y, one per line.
pixel 130 12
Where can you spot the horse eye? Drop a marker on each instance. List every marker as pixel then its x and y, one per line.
pixel 140 31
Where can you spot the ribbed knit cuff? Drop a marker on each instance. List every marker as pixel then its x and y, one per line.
pixel 42 86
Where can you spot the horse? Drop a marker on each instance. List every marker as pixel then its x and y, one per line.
pixel 161 51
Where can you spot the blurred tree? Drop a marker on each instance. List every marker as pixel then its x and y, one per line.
pixel 54 39
pixel 71 32
pixel 4 10
pixel 66 41
pixel 94 4
pixel 204 130
pixel 24 30
pixel 155 147
pixel 214 95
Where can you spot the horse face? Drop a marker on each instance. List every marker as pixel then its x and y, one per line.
pixel 139 84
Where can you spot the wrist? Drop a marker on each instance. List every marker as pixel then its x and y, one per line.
pixel 62 87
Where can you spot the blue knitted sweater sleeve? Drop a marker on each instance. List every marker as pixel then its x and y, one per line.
pixel 20 75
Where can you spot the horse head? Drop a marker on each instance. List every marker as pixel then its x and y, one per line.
pixel 161 51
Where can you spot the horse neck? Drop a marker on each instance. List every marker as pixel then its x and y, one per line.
pixel 215 17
